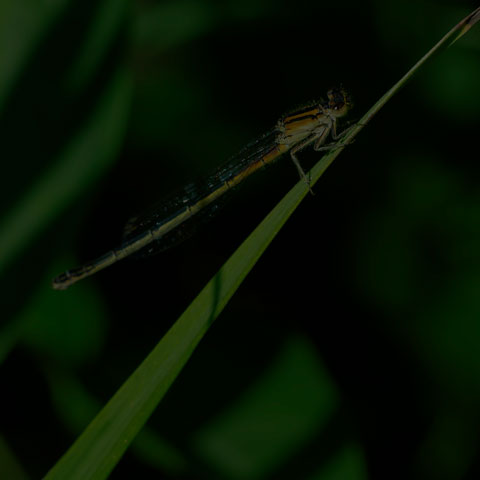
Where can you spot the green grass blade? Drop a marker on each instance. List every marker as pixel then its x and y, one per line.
pixel 102 32
pixel 10 465
pixel 451 37
pixel 76 406
pixel 16 50
pixel 99 448
pixel 85 159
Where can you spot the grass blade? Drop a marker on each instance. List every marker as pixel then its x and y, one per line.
pixel 98 449
pixel 85 159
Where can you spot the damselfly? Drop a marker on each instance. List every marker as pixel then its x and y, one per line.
pixel 310 124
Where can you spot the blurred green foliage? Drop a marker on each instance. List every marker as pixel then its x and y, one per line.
pixel 360 364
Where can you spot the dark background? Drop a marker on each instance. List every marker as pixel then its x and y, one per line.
pixel 351 351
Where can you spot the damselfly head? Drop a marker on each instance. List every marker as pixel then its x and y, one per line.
pixel 339 101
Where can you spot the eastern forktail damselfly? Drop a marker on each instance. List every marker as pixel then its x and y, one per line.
pixel 310 124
